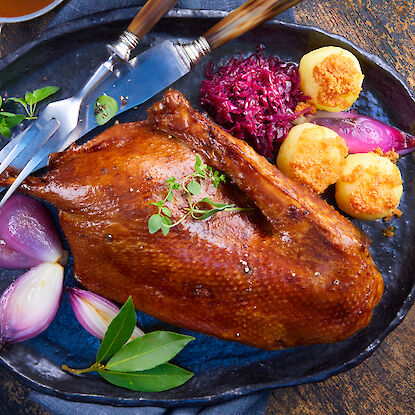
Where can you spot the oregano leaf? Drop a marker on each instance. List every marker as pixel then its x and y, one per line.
pixel 18 100
pixel 154 223
pixel 4 130
pixel 7 114
pixel 14 119
pixel 206 215
pixel 104 109
pixel 43 93
pixel 198 164
pixel 194 187
pixel 169 197
pixel 217 205
pixel 165 225
pixel 30 98
pixel 166 211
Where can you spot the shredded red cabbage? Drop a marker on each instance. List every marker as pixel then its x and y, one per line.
pixel 254 99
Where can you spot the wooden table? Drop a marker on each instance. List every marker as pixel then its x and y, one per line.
pixel 385 382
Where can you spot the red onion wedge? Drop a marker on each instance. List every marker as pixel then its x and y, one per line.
pixel 27 227
pixel 12 259
pixel 94 312
pixel 362 133
pixel 30 303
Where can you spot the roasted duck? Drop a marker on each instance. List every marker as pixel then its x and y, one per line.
pixel 291 271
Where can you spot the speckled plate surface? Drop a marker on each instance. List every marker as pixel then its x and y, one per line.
pixel 64 57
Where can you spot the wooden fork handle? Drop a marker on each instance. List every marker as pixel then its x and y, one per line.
pixel 244 18
pixel 149 15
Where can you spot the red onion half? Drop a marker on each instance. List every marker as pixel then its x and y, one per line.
pixel 362 133
pixel 12 259
pixel 30 303
pixel 27 227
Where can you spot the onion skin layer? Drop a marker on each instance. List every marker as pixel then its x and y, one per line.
pixel 30 303
pixel 363 134
pixel 94 312
pixel 12 259
pixel 27 227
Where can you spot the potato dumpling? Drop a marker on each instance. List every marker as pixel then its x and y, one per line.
pixel 370 187
pixel 312 155
pixel 332 77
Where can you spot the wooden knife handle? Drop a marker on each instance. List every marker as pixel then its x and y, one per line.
pixel 149 15
pixel 244 18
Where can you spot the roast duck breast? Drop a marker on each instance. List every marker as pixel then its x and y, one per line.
pixel 289 271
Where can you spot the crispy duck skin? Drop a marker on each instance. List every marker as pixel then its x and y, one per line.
pixel 291 271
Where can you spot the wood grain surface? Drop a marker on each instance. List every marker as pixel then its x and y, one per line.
pixel 385 382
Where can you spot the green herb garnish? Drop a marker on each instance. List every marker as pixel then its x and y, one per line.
pixel 104 109
pixel 200 209
pixel 140 365
pixel 8 120
pixel 31 99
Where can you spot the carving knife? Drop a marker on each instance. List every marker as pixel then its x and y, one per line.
pixel 158 67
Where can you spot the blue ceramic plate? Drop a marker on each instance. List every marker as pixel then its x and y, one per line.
pixel 64 57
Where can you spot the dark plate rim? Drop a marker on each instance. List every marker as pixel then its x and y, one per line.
pixel 112 16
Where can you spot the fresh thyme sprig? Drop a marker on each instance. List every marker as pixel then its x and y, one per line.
pixel 200 209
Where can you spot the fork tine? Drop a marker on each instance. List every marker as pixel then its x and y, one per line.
pixel 26 140
pixel 5 151
pixel 20 145
pixel 47 145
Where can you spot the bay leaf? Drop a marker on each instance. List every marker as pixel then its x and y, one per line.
pixel 160 378
pixel 148 351
pixel 118 332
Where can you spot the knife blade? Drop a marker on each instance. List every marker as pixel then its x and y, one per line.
pixel 30 143
pixel 158 67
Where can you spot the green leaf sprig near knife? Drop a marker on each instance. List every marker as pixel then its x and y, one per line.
pixel 105 108
pixel 8 120
pixel 141 364
pixel 200 209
